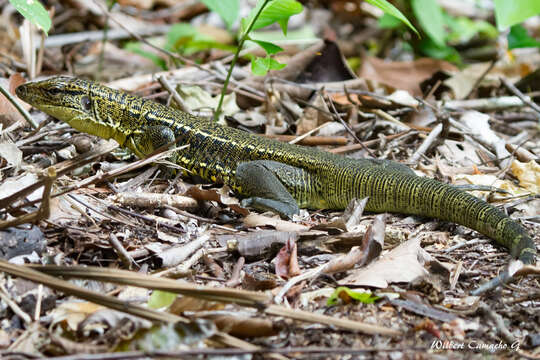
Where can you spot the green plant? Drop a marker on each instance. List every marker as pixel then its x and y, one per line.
pixel 34 12
pixel 266 12
pixel 443 30
pixel 344 292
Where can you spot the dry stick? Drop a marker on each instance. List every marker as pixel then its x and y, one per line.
pixel 28 273
pixel 4 295
pixel 484 104
pixel 181 103
pixel 354 147
pixel 388 117
pixel 183 269
pixel 335 115
pixel 519 94
pixel 311 140
pixel 145 218
pixel 19 108
pixel 124 256
pixel 44 209
pixel 174 256
pixel 100 212
pixel 236 273
pixel 428 142
pixel 297 139
pixel 328 320
pixel 61 169
pixel 479 80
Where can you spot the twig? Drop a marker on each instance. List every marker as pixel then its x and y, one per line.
pixel 236 277
pixel 298 139
pixel 44 209
pixel 519 94
pixel 19 108
pixel 498 321
pixel 181 103
pixel 335 115
pixel 145 218
pixel 311 140
pixel 428 142
pixel 13 305
pixel 479 80
pixel 124 256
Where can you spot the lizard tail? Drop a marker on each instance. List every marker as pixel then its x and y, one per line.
pixel 410 194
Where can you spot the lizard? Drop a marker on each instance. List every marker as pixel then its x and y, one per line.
pixel 268 174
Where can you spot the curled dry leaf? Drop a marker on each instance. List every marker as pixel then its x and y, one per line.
pixel 286 261
pixel 221 196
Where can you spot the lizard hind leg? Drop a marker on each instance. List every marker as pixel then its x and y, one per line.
pixel 261 181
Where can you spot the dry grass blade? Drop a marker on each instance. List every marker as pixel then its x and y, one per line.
pixel 123 277
pixel 242 297
pixel 28 273
pixel 331 321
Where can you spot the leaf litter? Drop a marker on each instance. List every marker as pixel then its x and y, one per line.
pixel 182 242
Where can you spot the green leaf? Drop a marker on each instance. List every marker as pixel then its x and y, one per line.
pixel 448 53
pixel 388 21
pixel 363 297
pixel 270 48
pixel 275 11
pixel 430 17
pixel 227 9
pixel 136 47
pixel 261 66
pixel 160 299
pixel 463 29
pixel 519 38
pixel 34 12
pixel 511 12
pixel 392 10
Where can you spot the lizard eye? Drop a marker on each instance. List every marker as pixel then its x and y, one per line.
pixel 86 104
pixel 54 91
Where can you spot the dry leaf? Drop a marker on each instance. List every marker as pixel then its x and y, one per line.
pixel 528 175
pixel 402 264
pixel 404 75
pixel 255 220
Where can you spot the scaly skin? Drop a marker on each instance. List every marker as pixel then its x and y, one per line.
pixel 315 179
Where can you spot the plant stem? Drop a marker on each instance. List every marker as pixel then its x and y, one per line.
pixel 243 39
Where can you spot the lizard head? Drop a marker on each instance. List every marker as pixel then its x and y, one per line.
pixel 86 106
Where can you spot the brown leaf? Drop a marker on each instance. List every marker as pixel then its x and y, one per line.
pixel 256 220
pixel 404 75
pixel 286 261
pixel 9 113
pixel 220 196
